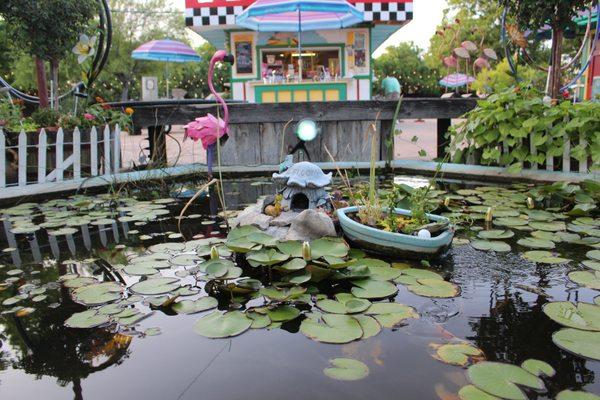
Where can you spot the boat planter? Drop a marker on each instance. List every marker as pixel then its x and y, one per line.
pixel 392 243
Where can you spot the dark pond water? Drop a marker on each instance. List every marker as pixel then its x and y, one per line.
pixel 498 310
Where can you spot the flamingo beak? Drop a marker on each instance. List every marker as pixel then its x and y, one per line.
pixel 229 59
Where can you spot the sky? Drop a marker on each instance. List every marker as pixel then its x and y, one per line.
pixel 427 15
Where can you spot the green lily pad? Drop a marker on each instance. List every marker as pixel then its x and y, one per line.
pixel 297 278
pixel 490 245
pixel 576 395
pixel 544 257
pixel 584 316
pixel 494 234
pixel 97 293
pixel 284 294
pixel 283 313
pixel 292 248
pixel 384 273
pixel 242 245
pixel 410 275
pixel 331 328
pixel 510 221
pixel 368 324
pixel 554 226
pixel 350 306
pixel 294 264
pixel 86 319
pixel 538 367
pixel 241 232
pixel 142 269
pixel 460 354
pixel 590 279
pixel 195 306
pixel 472 392
pixel 373 289
pixel 79 281
pixel 503 380
pixel 582 343
pixel 259 321
pixel 591 264
pixel 346 369
pixel 593 254
pixel 186 260
pixel 155 286
pixel 167 248
pixel 329 247
pixel 535 243
pixel 338 263
pixel 434 288
pixel 216 325
pixel 266 257
pixel 318 274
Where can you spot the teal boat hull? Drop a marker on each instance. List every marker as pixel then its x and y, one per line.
pixel 391 243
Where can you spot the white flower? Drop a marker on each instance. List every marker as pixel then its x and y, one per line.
pixel 85 48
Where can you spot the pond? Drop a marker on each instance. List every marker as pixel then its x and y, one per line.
pixel 149 340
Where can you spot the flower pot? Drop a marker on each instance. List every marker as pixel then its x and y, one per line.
pixel 391 243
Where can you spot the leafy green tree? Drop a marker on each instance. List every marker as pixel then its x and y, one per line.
pixel 558 14
pixel 406 63
pixel 500 78
pixel 47 30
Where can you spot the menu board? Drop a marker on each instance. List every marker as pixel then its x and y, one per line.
pixel 243 57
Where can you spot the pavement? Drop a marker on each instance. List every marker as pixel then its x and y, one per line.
pixel 180 152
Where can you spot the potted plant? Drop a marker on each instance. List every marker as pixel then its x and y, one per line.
pixel 384 227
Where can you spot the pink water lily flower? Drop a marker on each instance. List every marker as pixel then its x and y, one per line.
pixel 206 129
pixel 89 116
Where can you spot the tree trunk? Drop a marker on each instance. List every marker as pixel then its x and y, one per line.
pixel 54 72
pixel 555 71
pixel 42 85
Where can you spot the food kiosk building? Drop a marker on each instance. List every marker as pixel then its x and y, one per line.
pixel 337 64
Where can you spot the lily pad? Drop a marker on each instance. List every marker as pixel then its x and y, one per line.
pixel 584 316
pixel 593 254
pixel 298 277
pixel 195 306
pixel 283 313
pixel 369 325
pixel 494 234
pixel 350 306
pixel 503 380
pixel 294 264
pixel 266 257
pixel 510 221
pixel 538 367
pixel 373 289
pixel 86 319
pixel 582 343
pixel 591 264
pixel 544 257
pixel 554 226
pixel 535 243
pixel 97 293
pixel 346 369
pixel 329 247
pixel 142 269
pixel 292 248
pixel 216 325
pixel 576 395
pixel 167 248
pixel 284 294
pixel 472 392
pixel 490 245
pixel 259 321
pixel 459 354
pixel 590 279
pixel 434 288
pixel 155 286
pixel 331 328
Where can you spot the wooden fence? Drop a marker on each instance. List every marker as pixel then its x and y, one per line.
pixel 52 157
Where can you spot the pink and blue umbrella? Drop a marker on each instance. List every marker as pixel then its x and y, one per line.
pixel 299 16
pixel 456 80
pixel 167 51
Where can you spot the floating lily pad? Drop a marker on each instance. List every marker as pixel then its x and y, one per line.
pixel 155 286
pixel 576 395
pixel 87 319
pixel 242 231
pixel 535 243
pixel 373 289
pixel 216 325
pixel 544 257
pixel 510 221
pixel 79 281
pixel 259 321
pixel 142 269
pixel 434 288
pixel 503 380
pixel 167 248
pixel 538 367
pixel 494 234
pixel 593 254
pixel 97 293
pixel 328 247
pixel 590 279
pixel 294 264
pixel 298 277
pixel 369 325
pixel 284 294
pixel 582 343
pixel 266 257
pixel 283 313
pixel 472 392
pixel 457 353
pixel 554 226
pixel 346 369
pixel 186 259
pixel 242 245
pixel 592 264
pixel 195 306
pixel 331 328
pixel 292 248
pixel 490 245
pixel 350 306
pixel 584 316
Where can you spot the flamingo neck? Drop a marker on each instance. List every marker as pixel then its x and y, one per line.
pixel 211 71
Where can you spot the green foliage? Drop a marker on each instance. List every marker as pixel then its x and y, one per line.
pixel 45 117
pixel 405 62
pixel 534 14
pixel 501 78
pixel 515 116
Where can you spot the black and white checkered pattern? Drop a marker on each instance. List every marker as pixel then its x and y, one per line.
pixel 216 16
pixel 212 16
pixel 386 12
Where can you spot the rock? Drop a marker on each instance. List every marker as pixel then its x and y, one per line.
pixel 253 216
pixel 277 232
pixel 285 218
pixel 310 225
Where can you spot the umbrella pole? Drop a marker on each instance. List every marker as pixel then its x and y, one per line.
pixel 300 61
pixel 167 70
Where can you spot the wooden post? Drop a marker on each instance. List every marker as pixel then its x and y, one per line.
pixel 42 150
pixel 443 125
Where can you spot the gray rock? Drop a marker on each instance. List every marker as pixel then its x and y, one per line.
pixel 285 218
pixel 253 216
pixel 277 232
pixel 310 225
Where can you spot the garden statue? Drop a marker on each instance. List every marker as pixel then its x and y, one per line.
pixel 304 187
pixel 391 88
pixel 209 129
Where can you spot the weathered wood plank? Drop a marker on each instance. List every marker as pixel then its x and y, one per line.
pixel 22 158
pixel 60 159
pixel 106 139
pixel 76 154
pixel 42 149
pixel 93 151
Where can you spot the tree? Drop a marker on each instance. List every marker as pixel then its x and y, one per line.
pixel 406 63
pixel 47 30
pixel 558 14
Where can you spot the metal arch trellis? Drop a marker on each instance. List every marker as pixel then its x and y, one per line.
pixel 98 63
pixel 585 65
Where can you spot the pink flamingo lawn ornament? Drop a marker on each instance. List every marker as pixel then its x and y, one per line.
pixel 209 129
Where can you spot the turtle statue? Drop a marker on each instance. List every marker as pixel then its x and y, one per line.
pixel 303 187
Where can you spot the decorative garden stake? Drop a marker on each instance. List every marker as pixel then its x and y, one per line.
pixel 210 128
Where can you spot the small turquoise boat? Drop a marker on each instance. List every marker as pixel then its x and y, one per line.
pixel 391 243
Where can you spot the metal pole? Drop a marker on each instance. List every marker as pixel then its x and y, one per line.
pixel 300 62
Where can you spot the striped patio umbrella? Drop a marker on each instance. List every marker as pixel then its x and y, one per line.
pixel 299 16
pixel 167 51
pixel 456 80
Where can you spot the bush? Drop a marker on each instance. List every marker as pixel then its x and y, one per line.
pixel 45 117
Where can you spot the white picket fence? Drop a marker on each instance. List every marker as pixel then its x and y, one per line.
pixel 104 138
